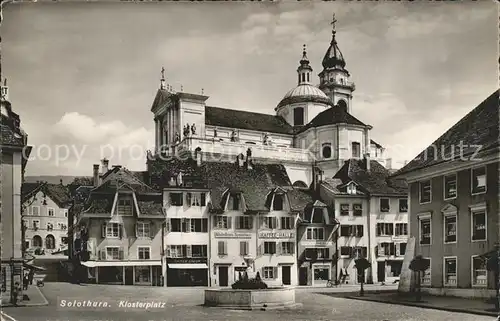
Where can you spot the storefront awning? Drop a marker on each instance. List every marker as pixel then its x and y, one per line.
pixel 121 263
pixel 33 267
pixel 188 266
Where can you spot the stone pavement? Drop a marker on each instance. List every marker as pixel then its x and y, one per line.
pixel 32 297
pixel 185 304
pixel 452 304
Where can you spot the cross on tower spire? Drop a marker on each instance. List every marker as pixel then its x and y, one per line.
pixel 333 23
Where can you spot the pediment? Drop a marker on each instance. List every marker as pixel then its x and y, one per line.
pixel 449 208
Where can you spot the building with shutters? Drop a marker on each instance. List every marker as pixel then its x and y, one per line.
pixel 122 220
pixel 453 203
pixel 317 234
pixel 371 208
pixel 15 153
pixel 45 217
pixel 249 210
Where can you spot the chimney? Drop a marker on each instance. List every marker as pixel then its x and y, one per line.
pixel 367 161
pixel 96 175
pixel 105 164
pixel 388 163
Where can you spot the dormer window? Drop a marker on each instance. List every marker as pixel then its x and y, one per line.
pixel 278 202
pixel 318 215
pixel 124 206
pixel 351 189
pixel 176 199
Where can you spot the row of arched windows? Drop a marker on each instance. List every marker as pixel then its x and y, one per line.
pixel 50 242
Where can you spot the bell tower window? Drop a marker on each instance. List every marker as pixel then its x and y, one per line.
pixel 342 104
pixel 298 116
pixel 327 151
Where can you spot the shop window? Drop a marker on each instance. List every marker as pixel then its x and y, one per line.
pixel 479 272
pixel 198 250
pixel 321 273
pixel 142 274
pixel 426 277
pixel 450 271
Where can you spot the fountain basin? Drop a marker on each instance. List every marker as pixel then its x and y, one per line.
pixel 271 298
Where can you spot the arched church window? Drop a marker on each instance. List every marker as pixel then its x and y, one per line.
pixel 298 116
pixel 303 77
pixel 327 151
pixel 342 104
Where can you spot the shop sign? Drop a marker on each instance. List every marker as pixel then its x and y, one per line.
pixel 187 260
pixel 276 235
pixel 233 235
pixel 400 238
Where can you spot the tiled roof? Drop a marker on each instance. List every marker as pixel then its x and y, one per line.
pixel 122 176
pixel 377 181
pixel 60 194
pixel 331 116
pixel 9 137
pixel 480 127
pixel 232 118
pixel 255 184
pixel 98 203
pixel 12 134
pixel 299 198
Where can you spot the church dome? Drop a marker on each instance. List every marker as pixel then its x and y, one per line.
pixel 305 93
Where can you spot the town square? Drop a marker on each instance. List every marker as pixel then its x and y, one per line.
pixel 249 161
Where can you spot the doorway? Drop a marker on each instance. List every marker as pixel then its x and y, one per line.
pixel 381 271
pixel 303 276
pixel 223 276
pixel 129 275
pixel 286 275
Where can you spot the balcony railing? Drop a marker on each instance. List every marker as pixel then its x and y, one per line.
pixel 209 146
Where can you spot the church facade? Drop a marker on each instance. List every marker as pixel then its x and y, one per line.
pixel 311 125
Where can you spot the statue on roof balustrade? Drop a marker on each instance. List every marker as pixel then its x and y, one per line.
pixel 177 138
pixel 193 129
pixel 186 130
pixel 234 136
pixel 267 139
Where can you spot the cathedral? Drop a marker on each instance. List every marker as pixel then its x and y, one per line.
pixel 312 132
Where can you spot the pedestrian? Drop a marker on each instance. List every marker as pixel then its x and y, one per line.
pixel 15 293
pixel 26 281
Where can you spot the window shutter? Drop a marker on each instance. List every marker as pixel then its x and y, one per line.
pixel 229 219
pixel 327 253
pixel 275 272
pixel 103 230
pixel 188 251
pixel 225 248
pixel 392 249
pixel 237 220
pixel 152 230
pixel 278 248
pixel 102 254
pixel 398 249
pixel 188 225
pixel 242 248
pixel 168 251
pixel 381 249
pixel 391 229
pixel 203 199
pixel 188 199
pixel 214 221
pixel 120 254
pixel 136 229
pixel 259 250
pixel 250 222
pixel 279 223
pixel 168 225
pixel 275 222
pixel 361 232
pixel 120 231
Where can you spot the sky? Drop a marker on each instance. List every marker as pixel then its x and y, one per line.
pixel 84 75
